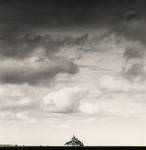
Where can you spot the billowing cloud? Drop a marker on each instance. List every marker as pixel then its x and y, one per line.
pixel 36 59
pixel 33 71
pixel 65 100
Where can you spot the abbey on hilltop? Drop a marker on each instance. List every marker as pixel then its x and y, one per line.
pixel 74 142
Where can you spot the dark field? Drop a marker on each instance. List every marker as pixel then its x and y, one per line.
pixel 71 147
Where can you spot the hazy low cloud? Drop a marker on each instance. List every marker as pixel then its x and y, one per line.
pixel 119 84
pixel 22 100
pixel 18 101
pixel 22 116
pixel 19 97
pixel 117 105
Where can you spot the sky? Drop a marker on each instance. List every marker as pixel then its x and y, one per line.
pixel 73 67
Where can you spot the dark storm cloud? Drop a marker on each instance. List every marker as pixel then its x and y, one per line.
pixel 134 66
pixel 28 74
pixel 133 53
pixel 132 21
pixel 35 15
pixel 21 19
pixel 21 15
pixel 21 45
pixel 29 15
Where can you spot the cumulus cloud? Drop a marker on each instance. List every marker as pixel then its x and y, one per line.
pixel 26 103
pixel 89 108
pixel 65 100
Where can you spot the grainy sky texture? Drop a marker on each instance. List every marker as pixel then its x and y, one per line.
pixel 73 67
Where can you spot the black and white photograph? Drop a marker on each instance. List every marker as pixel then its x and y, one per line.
pixel 72 73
